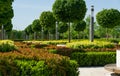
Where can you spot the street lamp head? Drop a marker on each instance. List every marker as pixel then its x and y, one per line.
pixel 92 5
pixel 92 8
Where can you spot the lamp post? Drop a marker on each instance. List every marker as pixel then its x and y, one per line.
pixel 2 32
pixel 92 24
pixel 57 30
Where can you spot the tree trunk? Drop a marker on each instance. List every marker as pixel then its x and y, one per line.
pixel 42 33
pixel 78 35
pixel 2 34
pixel 106 34
pixel 49 36
pixel 35 36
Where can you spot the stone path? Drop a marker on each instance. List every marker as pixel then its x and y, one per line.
pixel 93 71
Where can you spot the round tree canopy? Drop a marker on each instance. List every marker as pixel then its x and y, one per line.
pixel 36 25
pixel 6 11
pixel 29 29
pixel 69 10
pixel 47 19
pixel 108 18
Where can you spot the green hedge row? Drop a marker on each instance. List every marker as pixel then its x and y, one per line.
pixel 54 42
pixel 85 44
pixel 94 58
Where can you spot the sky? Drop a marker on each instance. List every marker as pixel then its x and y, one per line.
pixel 25 11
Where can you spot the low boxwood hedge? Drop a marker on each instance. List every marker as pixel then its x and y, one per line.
pixel 94 58
pixel 85 44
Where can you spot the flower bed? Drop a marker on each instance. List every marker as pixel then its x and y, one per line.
pixel 35 61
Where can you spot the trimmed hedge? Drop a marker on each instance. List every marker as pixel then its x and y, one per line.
pixel 94 58
pixel 52 42
pixel 67 51
pixel 85 44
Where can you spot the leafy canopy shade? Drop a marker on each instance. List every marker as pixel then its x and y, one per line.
pixel 108 18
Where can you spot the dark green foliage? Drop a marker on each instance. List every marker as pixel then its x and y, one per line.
pixel 8 1
pixel 6 11
pixel 26 32
pixel 51 67
pixel 8 68
pixel 69 10
pixel 94 58
pixel 114 41
pixel 6 14
pixel 32 68
pixel 17 35
pixel 47 19
pixel 8 26
pixel 108 18
pixel 79 26
pixel 62 27
pixel 63 67
pixel 52 30
pixel 7 47
pixel 47 22
pixel 36 25
pixel 29 29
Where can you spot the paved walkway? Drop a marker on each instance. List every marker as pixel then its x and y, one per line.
pixel 93 71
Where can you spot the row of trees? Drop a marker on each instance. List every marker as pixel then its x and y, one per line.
pixel 64 12
pixel 6 14
pixel 66 20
